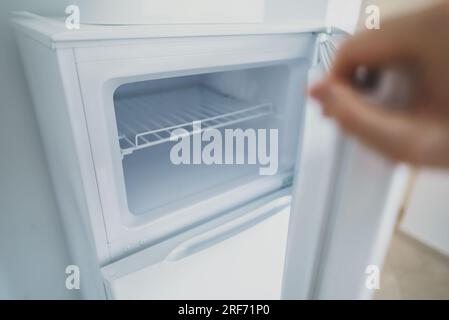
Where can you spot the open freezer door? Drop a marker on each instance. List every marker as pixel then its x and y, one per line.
pixel 345 202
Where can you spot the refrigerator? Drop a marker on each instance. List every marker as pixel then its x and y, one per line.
pixel 108 98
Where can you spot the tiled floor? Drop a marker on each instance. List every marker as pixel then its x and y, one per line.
pixel 413 271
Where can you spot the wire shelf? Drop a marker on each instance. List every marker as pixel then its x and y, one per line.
pixel 148 120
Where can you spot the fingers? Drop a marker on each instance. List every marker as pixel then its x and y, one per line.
pixel 393 134
pixel 405 136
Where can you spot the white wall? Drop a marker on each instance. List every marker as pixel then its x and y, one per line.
pixel 389 8
pixel 33 253
pixel 427 216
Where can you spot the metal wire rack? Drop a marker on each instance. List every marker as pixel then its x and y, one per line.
pixel 149 119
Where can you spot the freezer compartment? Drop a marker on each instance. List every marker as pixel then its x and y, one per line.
pixel 153 117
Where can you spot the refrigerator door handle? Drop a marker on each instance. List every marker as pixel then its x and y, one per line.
pixel 228 230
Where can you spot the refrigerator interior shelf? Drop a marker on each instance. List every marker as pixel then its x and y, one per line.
pixel 148 119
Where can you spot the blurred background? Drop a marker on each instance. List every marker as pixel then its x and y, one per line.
pixel 417 265
pixel 390 8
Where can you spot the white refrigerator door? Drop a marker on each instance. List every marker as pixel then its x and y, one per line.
pixel 242 258
pixel 345 202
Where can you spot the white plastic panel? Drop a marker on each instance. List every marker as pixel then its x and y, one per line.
pixel 54 33
pixel 360 224
pixel 128 232
pixel 247 265
pixel 170 11
pixel 66 144
pixel 319 156
pixel 345 203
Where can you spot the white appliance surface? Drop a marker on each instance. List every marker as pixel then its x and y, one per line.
pixel 246 264
pixel 170 11
pixel 53 31
pixel 202 250
pixel 229 65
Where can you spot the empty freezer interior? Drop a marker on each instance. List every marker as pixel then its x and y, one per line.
pixel 149 112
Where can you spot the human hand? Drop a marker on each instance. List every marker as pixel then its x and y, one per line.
pixel 417 44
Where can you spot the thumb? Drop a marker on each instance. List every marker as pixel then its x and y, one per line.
pixel 343 103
